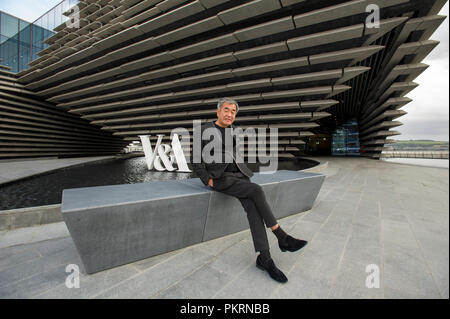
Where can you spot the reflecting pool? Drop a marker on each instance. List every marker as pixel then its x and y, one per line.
pixel 47 189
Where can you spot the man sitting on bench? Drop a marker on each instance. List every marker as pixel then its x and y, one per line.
pixel 234 179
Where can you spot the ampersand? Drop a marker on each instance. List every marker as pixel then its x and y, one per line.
pixel 167 162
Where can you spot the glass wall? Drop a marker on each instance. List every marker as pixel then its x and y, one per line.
pixel 346 140
pixel 20 41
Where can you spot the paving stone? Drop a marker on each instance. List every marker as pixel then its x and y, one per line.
pixel 90 285
pixel 405 270
pixel 335 194
pixel 393 213
pixel 351 281
pixel 433 242
pixel 345 207
pixel 352 195
pixel 17 237
pixel 150 282
pixel 306 283
pixel 305 229
pixel 320 212
pixel 322 194
pixel 287 223
pixel 51 231
pixel 219 245
pixel 235 259
pixel 338 223
pixel 398 233
pixel 276 295
pixel 152 261
pixel 56 261
pixel 243 285
pixel 13 256
pixel 392 293
pixel 29 286
pixel 366 220
pixel 325 245
pixel 54 246
pixel 367 250
pixel 315 268
pixel 203 284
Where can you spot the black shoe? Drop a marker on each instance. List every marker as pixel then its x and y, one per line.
pixel 292 244
pixel 273 271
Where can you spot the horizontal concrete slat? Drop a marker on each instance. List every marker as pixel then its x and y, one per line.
pixel 261 51
pixel 206 62
pixel 357 54
pixel 330 13
pixel 212 3
pixel 217 42
pixel 248 10
pixel 190 30
pixel 271 66
pixel 171 16
pixel 307 77
pixel 265 29
pixel 326 37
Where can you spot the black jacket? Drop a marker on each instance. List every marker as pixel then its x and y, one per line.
pixel 214 170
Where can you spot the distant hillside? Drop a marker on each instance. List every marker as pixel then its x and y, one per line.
pixel 419 145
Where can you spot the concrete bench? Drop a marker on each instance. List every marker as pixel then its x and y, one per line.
pixel 119 224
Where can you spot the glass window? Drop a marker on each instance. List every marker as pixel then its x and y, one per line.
pixel 65 5
pixel 51 20
pixel 24 45
pixel 65 8
pixel 24 55
pixel 38 35
pixel 23 25
pixel 21 41
pixel 3 39
pixel 9 53
pixel 9 25
pixel 34 52
pixel 58 15
pixel 73 2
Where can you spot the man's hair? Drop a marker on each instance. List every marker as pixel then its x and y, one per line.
pixel 229 101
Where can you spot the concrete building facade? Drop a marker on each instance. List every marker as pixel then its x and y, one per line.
pixel 124 68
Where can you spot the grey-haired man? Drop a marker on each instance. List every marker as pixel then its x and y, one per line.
pixel 232 177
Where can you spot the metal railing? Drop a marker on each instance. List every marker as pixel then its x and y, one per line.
pixel 415 154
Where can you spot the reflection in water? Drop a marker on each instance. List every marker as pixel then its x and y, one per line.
pixel 47 189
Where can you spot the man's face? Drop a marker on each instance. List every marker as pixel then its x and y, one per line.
pixel 226 115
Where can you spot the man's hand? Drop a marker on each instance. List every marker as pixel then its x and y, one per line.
pixel 210 182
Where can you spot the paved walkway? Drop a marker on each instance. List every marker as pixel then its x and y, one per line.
pixel 15 170
pixel 393 217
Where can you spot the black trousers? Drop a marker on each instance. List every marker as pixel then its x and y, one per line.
pixel 253 200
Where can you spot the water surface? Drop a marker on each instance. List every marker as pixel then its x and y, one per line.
pixel 47 189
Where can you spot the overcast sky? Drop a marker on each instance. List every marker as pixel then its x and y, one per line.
pixel 428 113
